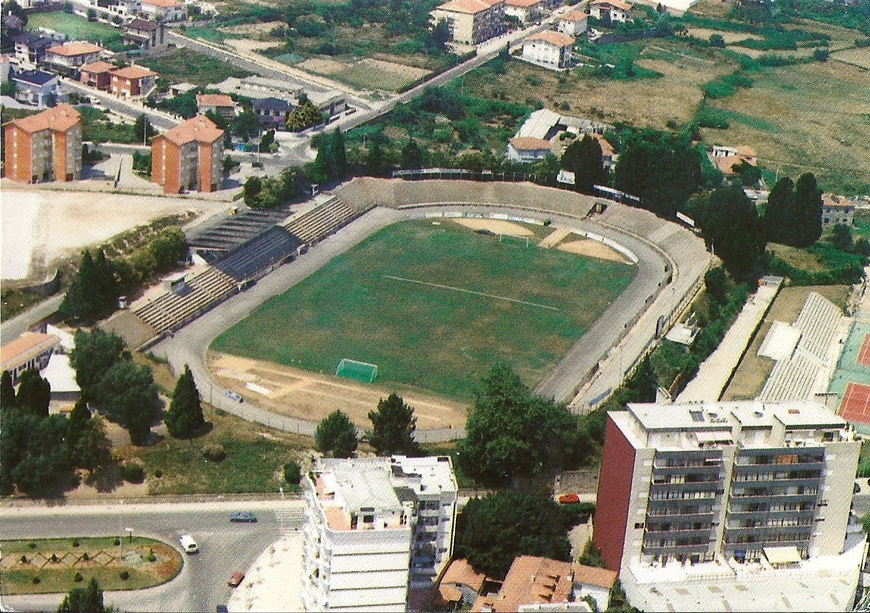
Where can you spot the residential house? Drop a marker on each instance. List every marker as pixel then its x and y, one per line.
pixel 610 11
pixel 188 157
pixel 526 149
pixel 44 147
pixel 548 49
pixel 35 87
pixel 543 584
pixel 143 33
pixel 376 529
pixel 125 9
pixel 460 585
pixel 220 104
pixel 30 350
pixel 68 58
pixel 472 21
pixel 96 74
pixel 272 112
pixel 573 23
pixel 163 10
pixel 837 210
pixel 608 153
pixel 725 158
pixel 525 11
pixel 132 81
pixel 330 102
pixel 30 49
pixel 722 490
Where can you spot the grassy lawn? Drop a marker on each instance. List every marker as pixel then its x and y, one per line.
pixel 75 27
pixel 50 565
pixel 362 76
pixel 192 67
pixel 440 339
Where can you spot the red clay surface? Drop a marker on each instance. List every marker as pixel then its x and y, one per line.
pixel 856 403
pixel 864 355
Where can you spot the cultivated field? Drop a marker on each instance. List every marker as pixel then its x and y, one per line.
pixel 74 26
pixel 434 305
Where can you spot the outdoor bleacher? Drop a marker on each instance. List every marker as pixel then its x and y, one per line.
pixel 233 231
pixel 259 255
pixel 169 310
pixel 822 326
pixel 323 220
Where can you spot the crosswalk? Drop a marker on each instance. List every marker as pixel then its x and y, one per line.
pixel 289 520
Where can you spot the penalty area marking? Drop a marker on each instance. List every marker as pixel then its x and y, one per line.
pixel 468 291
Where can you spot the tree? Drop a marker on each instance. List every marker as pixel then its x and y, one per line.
pixel 716 284
pixel 94 354
pixel 733 230
pixel 583 158
pixel 7 391
pixel 493 530
pixel 512 433
pixel 412 156
pixel 92 14
pixel 841 237
pixel 93 292
pixel 779 211
pixel 251 189
pixel 83 600
pixel 184 418
pixel 439 36
pixel 128 395
pixel 336 435
pixel 143 129
pixel 393 426
pixel 808 210
pixel 37 453
pixel 245 125
pixel 86 442
pixel 331 160
pixel 34 393
pixel 304 116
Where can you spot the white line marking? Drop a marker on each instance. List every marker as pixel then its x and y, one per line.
pixel 468 291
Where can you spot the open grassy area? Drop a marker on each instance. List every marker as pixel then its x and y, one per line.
pixel 75 27
pixel 186 65
pixel 43 566
pixel 377 304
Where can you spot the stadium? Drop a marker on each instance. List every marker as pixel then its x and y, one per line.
pixel 520 245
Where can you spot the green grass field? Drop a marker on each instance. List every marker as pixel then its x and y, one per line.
pixel 193 67
pixel 74 26
pixel 411 299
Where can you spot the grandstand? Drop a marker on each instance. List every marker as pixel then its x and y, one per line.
pixel 210 243
pixel 323 220
pixel 165 310
pixel 260 255
pixel 807 371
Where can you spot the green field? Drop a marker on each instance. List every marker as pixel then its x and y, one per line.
pixel 187 65
pixel 380 303
pixel 75 27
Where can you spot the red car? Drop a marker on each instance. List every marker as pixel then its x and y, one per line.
pixel 571 498
pixel 236 579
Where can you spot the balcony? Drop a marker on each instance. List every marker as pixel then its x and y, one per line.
pixel 703 533
pixel 657 514
pixel 674 549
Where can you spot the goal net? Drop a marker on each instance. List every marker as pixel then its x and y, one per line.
pixel 358 371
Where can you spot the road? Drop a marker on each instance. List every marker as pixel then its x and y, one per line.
pixel 15 327
pixel 224 547
pixel 161 120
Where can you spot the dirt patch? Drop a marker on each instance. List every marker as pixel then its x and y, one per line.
pixel 253 29
pixel 728 37
pixel 248 45
pixel 312 396
pixel 321 66
pixel 593 249
pixel 857 57
pixel 495 225
pixel 407 71
pixel 554 238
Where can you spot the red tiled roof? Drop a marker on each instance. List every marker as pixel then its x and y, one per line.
pixel 26 346
pixel 530 580
pixel 554 38
pixel 460 572
pixel 134 72
pixel 831 200
pixel 574 16
pixel 214 100
pixel 73 49
pixel 589 575
pixel 467 6
pixel 96 67
pixel 163 3
pixel 625 6
pixel 528 143
pixel 199 129
pixel 522 3
pixel 60 118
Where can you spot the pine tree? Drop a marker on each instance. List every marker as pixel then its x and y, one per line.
pixel 7 391
pixel 184 418
pixel 412 156
pixel 336 435
pixel 393 426
pixel 778 221
pixel 808 210
pixel 583 158
pixel 34 393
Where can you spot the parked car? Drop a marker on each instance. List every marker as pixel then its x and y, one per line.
pixel 188 544
pixel 243 516
pixel 571 498
pixel 234 396
pixel 236 579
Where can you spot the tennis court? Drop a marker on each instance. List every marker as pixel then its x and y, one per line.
pixel 855 405
pixel 851 380
pixel 864 354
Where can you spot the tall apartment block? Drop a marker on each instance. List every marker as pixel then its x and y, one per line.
pixel 188 157
pixel 375 527
pixel 733 480
pixel 45 147
pixel 471 21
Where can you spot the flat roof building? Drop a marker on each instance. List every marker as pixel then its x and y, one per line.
pixel 375 528
pixel 472 21
pixel 45 147
pixel 30 350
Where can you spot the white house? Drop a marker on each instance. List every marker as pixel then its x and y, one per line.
pixel 548 49
pixel 614 11
pixel 573 23
pixel 35 87
pixel 163 10
pixel 375 528
pixel 525 149
pixel 524 10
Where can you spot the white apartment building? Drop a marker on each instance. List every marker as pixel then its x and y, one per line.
pixel 724 490
pixel 471 21
pixel 375 527
pixel 548 49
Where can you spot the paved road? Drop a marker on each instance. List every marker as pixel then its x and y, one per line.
pixel 128 108
pixel 15 327
pixel 224 547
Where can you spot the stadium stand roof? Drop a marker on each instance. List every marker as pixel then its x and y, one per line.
pixel 258 253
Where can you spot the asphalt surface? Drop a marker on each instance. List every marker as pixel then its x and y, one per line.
pixel 225 547
pixel 159 119
pixel 15 327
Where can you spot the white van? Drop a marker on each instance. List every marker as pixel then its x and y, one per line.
pixel 188 544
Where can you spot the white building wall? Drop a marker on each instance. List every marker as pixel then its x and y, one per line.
pixel 840 461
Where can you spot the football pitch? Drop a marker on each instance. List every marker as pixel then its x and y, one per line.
pixel 434 305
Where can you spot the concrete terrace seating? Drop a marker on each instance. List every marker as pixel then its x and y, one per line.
pixel 234 230
pixel 321 221
pixel 818 322
pixel 259 255
pixel 790 380
pixel 169 311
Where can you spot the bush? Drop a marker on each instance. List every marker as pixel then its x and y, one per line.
pixel 117 541
pixel 124 575
pixel 24 559
pixel 214 452
pixel 36 581
pixel 150 557
pixel 75 543
pixel 85 556
pixel 78 577
pixel 292 473
pixel 54 557
pixel 133 473
pixel 158 473
pixel 32 545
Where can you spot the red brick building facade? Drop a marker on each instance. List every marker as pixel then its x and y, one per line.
pixel 188 157
pixel 45 147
